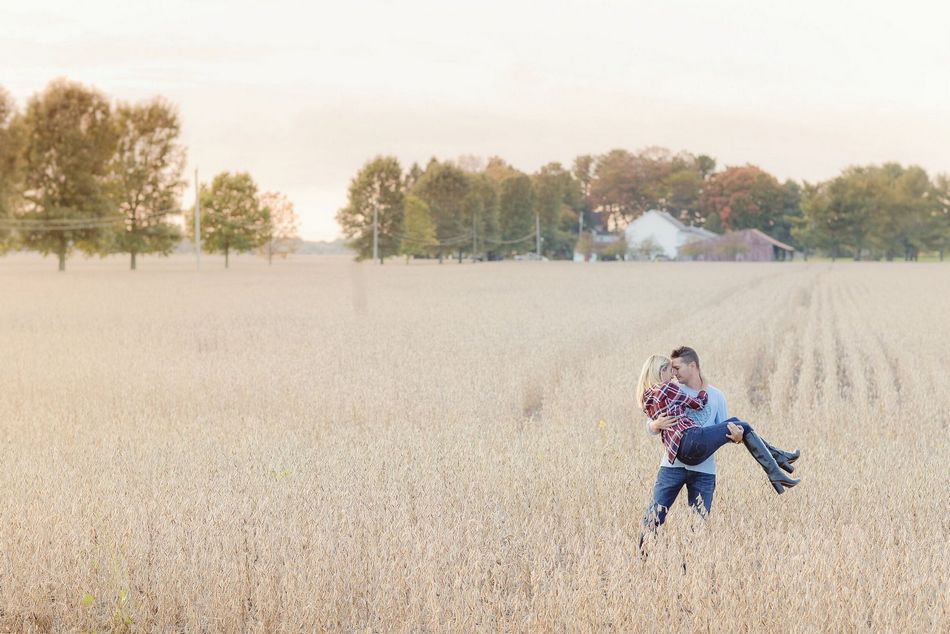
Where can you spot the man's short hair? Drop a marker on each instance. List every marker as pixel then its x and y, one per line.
pixel 687 354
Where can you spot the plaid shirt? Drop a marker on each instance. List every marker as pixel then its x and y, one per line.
pixel 667 398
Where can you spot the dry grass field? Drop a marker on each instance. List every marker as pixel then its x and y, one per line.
pixel 329 446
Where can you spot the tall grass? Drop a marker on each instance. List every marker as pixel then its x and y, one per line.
pixel 326 446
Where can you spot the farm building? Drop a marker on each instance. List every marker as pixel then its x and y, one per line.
pixel 658 234
pixel 748 245
pixel 595 245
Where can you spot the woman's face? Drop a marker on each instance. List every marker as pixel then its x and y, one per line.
pixel 666 373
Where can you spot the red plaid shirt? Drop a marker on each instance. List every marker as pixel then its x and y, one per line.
pixel 668 398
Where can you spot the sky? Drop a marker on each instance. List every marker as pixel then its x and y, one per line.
pixel 302 94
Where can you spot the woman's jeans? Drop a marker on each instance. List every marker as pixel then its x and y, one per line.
pixel 698 443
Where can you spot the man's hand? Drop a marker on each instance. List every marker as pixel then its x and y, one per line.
pixel 735 432
pixel 661 423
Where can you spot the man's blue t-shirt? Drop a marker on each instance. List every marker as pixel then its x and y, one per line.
pixel 713 414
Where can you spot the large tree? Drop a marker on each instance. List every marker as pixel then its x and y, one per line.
pixel 232 217
pixel 614 189
pixel 9 158
pixel 444 187
pixel 376 188
pixel 69 141
pixel 282 232
pixel 825 221
pixel 560 200
pixel 940 215
pixel 903 213
pixel 418 230
pixel 481 204
pixel 147 174
pixel 517 211
pixel 742 198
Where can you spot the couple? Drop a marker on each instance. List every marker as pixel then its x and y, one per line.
pixel 690 417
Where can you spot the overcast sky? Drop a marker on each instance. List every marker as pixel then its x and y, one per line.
pixel 301 94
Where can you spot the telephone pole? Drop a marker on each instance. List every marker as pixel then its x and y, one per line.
pixel 375 231
pixel 474 240
pixel 537 232
pixel 197 223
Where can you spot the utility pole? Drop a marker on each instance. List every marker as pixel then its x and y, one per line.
pixel 580 223
pixel 537 232
pixel 197 223
pixel 375 231
pixel 474 240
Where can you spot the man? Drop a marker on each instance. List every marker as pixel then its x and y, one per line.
pixel 700 480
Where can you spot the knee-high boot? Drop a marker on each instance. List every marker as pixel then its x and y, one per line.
pixel 760 451
pixel 783 458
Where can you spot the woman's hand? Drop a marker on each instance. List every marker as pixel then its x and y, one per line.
pixel 661 423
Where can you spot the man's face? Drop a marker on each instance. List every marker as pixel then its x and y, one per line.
pixel 684 372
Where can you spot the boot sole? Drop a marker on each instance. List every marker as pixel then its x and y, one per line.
pixel 781 486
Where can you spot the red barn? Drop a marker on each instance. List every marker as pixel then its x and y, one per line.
pixel 748 245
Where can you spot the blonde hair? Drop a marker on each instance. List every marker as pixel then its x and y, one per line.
pixel 650 374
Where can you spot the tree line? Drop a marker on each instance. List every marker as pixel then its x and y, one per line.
pixel 489 209
pixel 78 172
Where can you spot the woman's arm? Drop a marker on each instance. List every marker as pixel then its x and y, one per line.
pixel 675 395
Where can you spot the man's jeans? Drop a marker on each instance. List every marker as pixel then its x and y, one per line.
pixel 669 481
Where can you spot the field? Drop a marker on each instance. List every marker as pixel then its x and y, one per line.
pixel 323 445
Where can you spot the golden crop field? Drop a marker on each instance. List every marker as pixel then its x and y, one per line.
pixel 329 446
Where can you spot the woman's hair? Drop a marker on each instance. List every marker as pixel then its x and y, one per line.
pixel 650 374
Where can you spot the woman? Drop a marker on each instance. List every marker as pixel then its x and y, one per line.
pixel 658 395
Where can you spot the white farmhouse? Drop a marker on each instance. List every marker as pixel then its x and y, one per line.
pixel 657 233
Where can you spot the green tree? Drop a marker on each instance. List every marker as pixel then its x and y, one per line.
pixel 444 188
pixel 412 176
pixel 232 217
pixel 791 212
pixel 147 176
pixel 482 205
pixel 70 138
pixel 559 201
pixel 376 188
pixel 516 210
pixel 680 192
pixel 825 220
pixel 497 170
pixel 706 165
pixel 9 172
pixel 418 229
pixel 940 215
pixel 901 206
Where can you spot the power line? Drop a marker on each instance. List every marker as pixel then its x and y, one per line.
pixel 530 235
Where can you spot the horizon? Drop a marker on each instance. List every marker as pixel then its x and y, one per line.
pixel 327 90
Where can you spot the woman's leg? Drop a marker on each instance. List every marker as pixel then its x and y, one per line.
pixel 782 457
pixel 760 451
pixel 699 443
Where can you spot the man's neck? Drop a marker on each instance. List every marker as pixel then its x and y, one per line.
pixel 694 384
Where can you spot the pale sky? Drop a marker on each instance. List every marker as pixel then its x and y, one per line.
pixel 301 94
